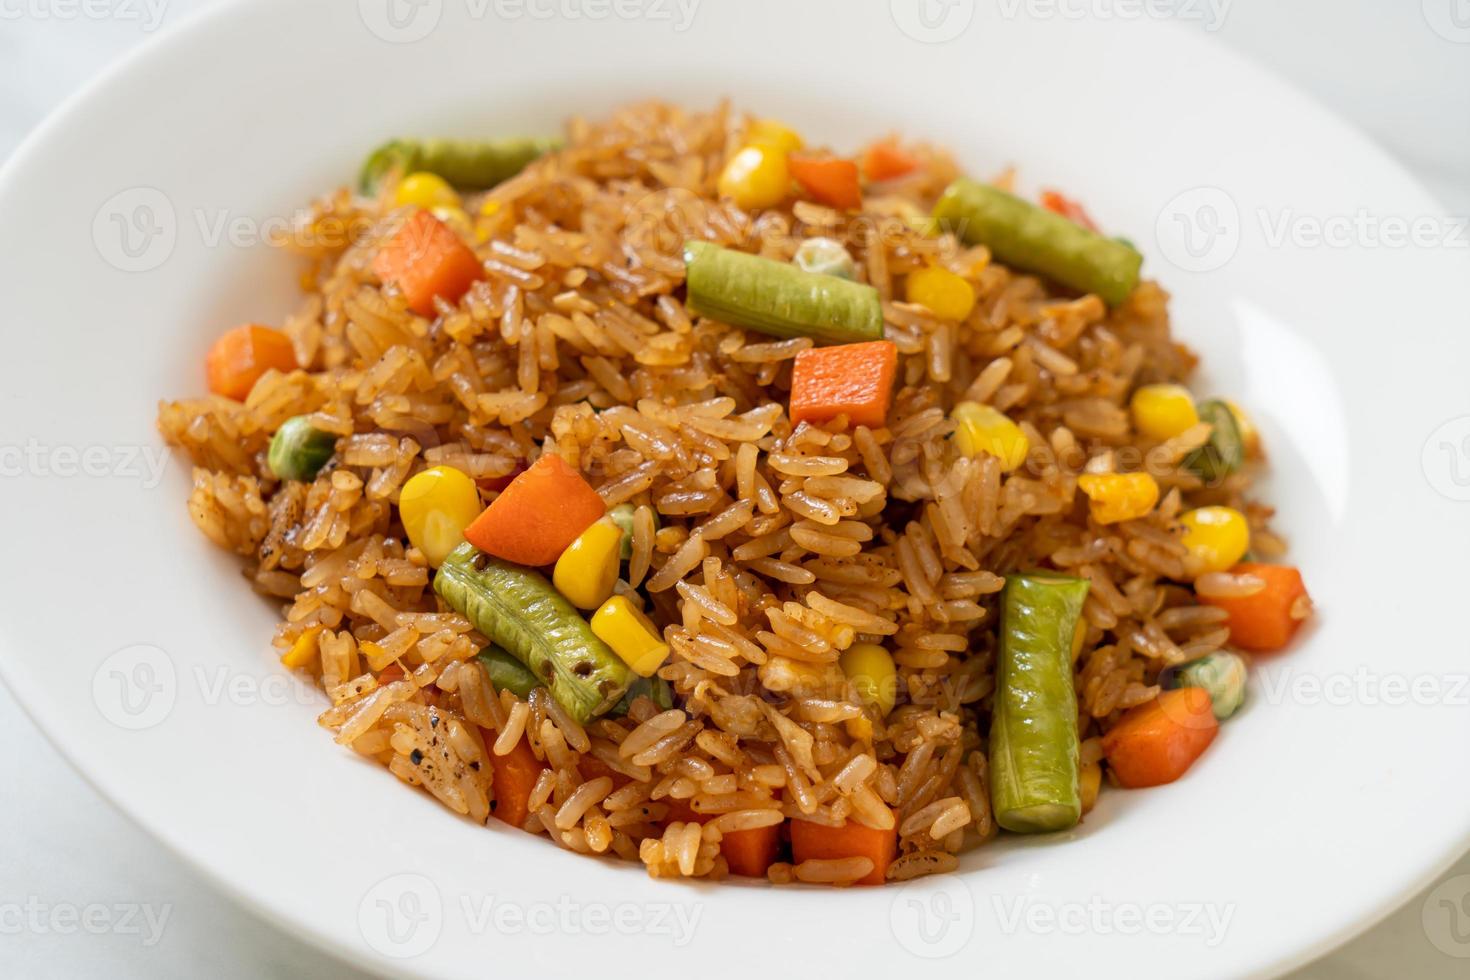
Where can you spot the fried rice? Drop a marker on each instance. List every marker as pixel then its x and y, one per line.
pixel 761 550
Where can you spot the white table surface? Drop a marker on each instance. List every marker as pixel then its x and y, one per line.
pixel 63 849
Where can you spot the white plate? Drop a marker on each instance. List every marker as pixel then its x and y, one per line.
pixel 139 650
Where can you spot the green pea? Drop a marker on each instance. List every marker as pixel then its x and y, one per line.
pixel 622 516
pixel 1222 675
pixel 1225 452
pixel 298 450
pixel 826 257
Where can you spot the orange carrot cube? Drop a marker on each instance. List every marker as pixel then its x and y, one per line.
pixel 426 259
pixel 855 380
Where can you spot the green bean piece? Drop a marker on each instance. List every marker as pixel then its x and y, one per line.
pixel 777 298
pixel 517 609
pixel 506 673
pixel 1225 452
pixel 468 165
pixel 1034 239
pixel 1034 784
pixel 655 688
pixel 1222 675
pixel 298 451
pixel 393 155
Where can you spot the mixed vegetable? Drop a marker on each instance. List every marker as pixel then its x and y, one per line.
pixel 981 430
pixel 242 356
pixel 298 451
pixel 583 638
pixel 828 180
pixel 538 516
pixel 466 164
pixel 1225 452
pixel 427 261
pixel 1221 675
pixel 1029 237
pixel 777 298
pixel 814 841
pixel 855 380
pixel 825 256
pixel 435 506
pixel 507 673
pixel 1274 605
pixel 1155 743
pixel 1034 779
pixel 519 611
pixel 886 160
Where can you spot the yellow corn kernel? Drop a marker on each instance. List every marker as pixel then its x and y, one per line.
pixel 1250 436
pixel 632 635
pixel 375 656
pixel 587 571
pixel 947 296
pixel 1079 635
pixel 756 177
pixel 456 219
pixel 859 729
pixel 435 508
pixel 1163 411
pixel 871 670
pixel 303 650
pixel 425 190
pixel 775 134
pixel 983 429
pixel 1091 784
pixel 1217 537
pixel 1115 497
pixel 485 220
